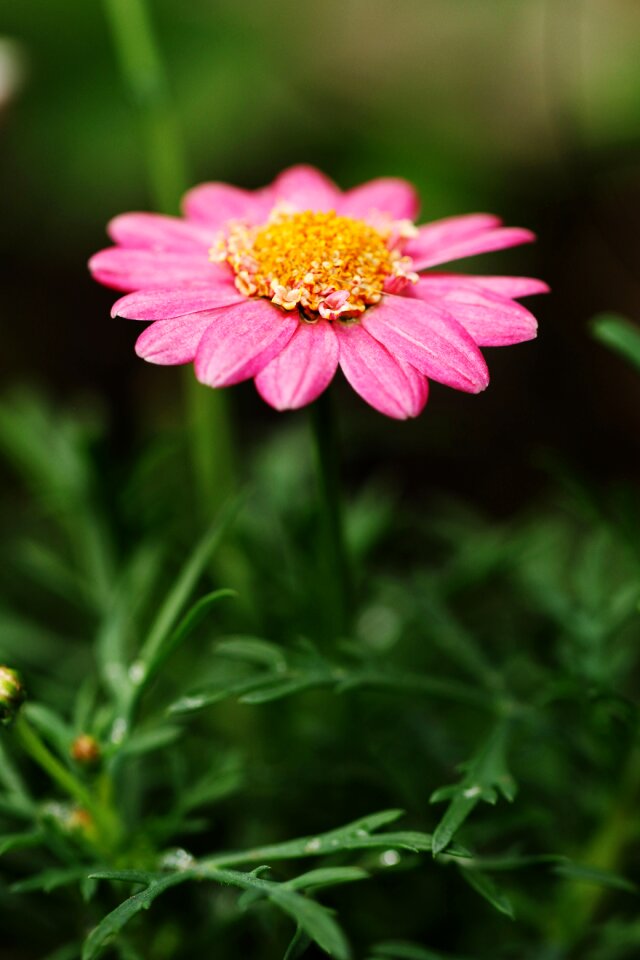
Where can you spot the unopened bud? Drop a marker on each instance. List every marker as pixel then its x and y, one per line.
pixel 85 749
pixel 80 821
pixel 12 694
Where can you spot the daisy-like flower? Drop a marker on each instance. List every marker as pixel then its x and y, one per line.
pixel 288 283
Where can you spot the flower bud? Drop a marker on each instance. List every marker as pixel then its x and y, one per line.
pixel 12 695
pixel 85 750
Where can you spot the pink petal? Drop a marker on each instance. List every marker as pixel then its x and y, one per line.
pixel 303 369
pixel 513 287
pixel 306 188
pixel 492 320
pixel 125 269
pixel 425 252
pixel 213 204
pixel 243 339
pixel 427 337
pixel 387 195
pixel 175 340
pixel 438 233
pixel 388 385
pixel 151 231
pixel 159 303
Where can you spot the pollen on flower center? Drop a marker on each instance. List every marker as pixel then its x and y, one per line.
pixel 324 263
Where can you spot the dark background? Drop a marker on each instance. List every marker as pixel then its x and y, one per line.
pixel 529 109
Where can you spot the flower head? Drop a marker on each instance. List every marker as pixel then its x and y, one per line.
pixel 12 695
pixel 288 283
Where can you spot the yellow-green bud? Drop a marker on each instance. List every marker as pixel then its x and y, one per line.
pixel 12 694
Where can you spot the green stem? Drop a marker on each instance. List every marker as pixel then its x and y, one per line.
pixel 605 851
pixel 336 555
pixel 142 68
pixel 104 818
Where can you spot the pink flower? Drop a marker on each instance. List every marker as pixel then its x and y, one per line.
pixel 286 283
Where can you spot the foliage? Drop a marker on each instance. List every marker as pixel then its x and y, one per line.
pixel 228 721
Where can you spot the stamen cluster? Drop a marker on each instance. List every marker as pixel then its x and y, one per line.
pixel 323 263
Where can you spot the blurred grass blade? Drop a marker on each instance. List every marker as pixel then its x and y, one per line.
pixel 185 583
pixel 619 334
pixel 602 878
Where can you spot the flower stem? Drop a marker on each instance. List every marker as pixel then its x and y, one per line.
pixel 143 71
pixel 334 543
pixel 605 851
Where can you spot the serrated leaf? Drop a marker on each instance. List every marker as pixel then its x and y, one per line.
pixel 315 920
pixel 310 916
pixel 485 774
pixel 113 923
pixel 353 836
pixel 485 886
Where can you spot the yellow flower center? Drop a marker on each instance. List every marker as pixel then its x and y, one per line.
pixel 321 262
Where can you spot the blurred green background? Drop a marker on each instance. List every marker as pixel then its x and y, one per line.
pixel 529 108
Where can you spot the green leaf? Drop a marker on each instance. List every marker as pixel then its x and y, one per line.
pixel 20 841
pixel 184 585
pixel 326 877
pixel 315 920
pixel 188 624
pixel 115 634
pixel 484 885
pixel 199 699
pixel 216 783
pixel 298 946
pixel 113 923
pixel 285 688
pixel 486 774
pixel 11 779
pixel 354 836
pixel 52 727
pixel 152 738
pixel 49 880
pixel 602 878
pixel 253 650
pixel 619 334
